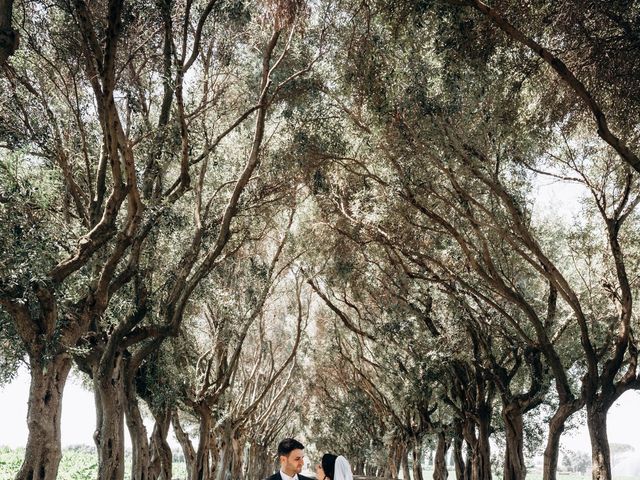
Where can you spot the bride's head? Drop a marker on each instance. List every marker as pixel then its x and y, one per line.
pixel 333 468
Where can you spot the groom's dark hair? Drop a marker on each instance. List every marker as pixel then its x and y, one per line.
pixel 288 445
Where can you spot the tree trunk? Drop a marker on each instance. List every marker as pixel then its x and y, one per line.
pixel 467 468
pixel 237 446
pixel 600 453
pixel 404 461
pixel 440 471
pixel 109 434
pixel 266 465
pixel 162 457
pixel 514 466
pixel 556 427
pixel 224 461
pixel 201 468
pixel 140 454
pixel 43 450
pixel 481 453
pixel 458 458
pixel 185 443
pixel 393 466
pixel 417 461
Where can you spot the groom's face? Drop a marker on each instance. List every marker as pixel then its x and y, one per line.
pixel 292 463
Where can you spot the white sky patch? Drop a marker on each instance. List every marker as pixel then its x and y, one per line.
pixel 556 199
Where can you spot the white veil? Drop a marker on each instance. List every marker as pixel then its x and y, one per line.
pixel 343 469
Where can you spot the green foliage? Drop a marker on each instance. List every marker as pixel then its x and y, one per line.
pixel 29 219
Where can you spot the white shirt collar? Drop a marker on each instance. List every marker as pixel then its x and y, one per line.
pixel 287 477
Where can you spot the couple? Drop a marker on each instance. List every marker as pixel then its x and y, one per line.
pixel 292 460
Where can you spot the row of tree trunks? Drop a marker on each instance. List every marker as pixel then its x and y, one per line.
pixel 478 454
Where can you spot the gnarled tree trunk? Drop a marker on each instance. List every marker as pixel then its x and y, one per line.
pixel 600 453
pixel 393 465
pixel 223 464
pixel 140 455
pixel 417 461
pixel 162 458
pixel 237 446
pixel 556 427
pixel 481 453
pixel 185 443
pixel 458 458
pixel 404 461
pixel 440 471
pixel 201 467
pixel 43 450
pixel 109 435
pixel 514 467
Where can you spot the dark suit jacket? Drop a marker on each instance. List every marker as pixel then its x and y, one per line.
pixel 277 476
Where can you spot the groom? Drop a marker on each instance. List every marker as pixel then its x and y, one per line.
pixel 291 460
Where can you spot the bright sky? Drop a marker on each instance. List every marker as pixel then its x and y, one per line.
pixel 78 417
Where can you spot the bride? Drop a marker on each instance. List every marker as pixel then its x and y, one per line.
pixel 333 468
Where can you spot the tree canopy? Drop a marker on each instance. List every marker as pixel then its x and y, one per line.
pixel 327 219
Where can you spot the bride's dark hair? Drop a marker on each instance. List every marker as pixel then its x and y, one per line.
pixel 329 464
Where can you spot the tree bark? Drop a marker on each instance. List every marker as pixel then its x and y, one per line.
pixel 185 443
pixel 458 458
pixel 417 461
pixel 43 450
pixel 393 465
pixel 162 457
pixel 404 461
pixel 223 463
pixel 556 427
pixel 600 453
pixel 514 466
pixel 467 469
pixel 109 434
pixel 140 455
pixel 260 462
pixel 481 452
pixel 237 446
pixel 440 471
pixel 201 468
